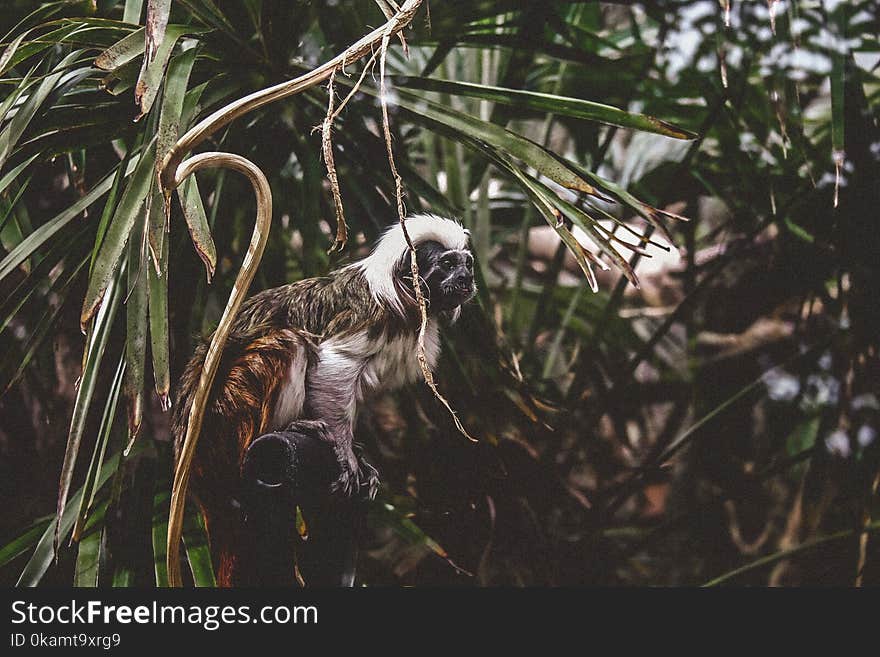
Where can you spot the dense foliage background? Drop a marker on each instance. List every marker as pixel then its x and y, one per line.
pixel 719 422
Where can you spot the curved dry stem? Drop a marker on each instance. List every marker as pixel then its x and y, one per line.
pixel 208 126
pixel 248 268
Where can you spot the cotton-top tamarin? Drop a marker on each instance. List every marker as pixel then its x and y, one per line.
pixel 305 355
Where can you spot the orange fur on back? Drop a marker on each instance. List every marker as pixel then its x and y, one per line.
pixel 239 410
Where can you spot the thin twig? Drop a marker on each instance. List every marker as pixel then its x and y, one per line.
pixel 389 8
pixel 370 62
pixel 330 163
pixel 414 266
pixel 327 150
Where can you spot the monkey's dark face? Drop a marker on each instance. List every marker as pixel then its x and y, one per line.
pixel 447 276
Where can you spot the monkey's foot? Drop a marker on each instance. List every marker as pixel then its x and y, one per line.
pixel 369 476
pixel 356 476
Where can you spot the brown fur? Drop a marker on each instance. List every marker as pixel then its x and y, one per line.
pixel 241 406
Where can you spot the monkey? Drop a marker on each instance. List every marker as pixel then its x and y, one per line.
pixel 306 355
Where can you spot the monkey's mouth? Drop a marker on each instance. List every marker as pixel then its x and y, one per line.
pixel 458 294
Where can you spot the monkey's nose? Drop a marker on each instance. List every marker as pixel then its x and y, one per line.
pixel 464 282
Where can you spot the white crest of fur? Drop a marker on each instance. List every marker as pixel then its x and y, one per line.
pixel 379 267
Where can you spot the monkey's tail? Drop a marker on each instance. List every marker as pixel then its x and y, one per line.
pixel 239 409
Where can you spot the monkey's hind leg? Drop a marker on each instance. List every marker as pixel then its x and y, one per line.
pixel 355 474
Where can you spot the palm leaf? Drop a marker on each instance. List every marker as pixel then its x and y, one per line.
pixel 544 102
pixel 96 346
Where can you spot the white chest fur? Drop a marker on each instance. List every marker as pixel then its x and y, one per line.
pixel 350 369
pixel 394 363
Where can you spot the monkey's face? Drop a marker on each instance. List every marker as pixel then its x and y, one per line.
pixel 447 276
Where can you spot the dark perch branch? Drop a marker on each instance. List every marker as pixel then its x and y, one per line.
pixel 282 471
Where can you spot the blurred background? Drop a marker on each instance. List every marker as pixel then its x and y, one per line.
pixel 717 424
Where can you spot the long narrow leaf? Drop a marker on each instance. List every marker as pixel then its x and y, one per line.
pixel 25 541
pixel 197 223
pixel 10 134
pixel 172 102
pixel 100 450
pixel 10 51
pixel 23 85
pixel 158 311
pixel 150 78
pixel 118 233
pixel 109 208
pixel 543 102
pixel 132 11
pixel 17 53
pixel 195 540
pixel 160 534
pixel 13 173
pixel 12 203
pixel 423 110
pixel 123 51
pixel 169 127
pixel 48 230
pixel 92 363
pixel 88 557
pixel 518 146
pixel 136 330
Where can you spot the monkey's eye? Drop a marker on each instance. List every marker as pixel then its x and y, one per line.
pixel 446 264
pixel 469 261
